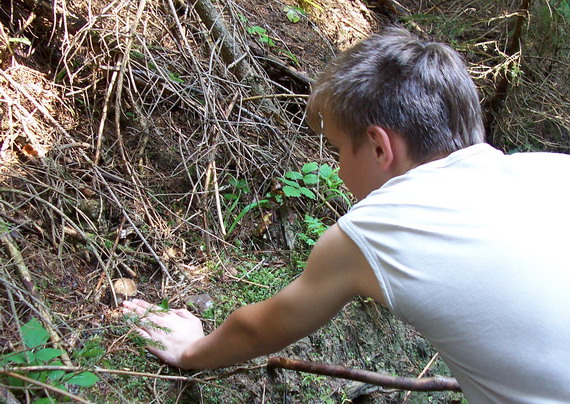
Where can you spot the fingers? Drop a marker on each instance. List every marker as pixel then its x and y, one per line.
pixel 185 314
pixel 138 304
pixel 143 333
pixel 139 307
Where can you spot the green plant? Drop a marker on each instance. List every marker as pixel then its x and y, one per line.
pixel 294 14
pixel 291 56
pixel 261 34
pixel 238 188
pixel 315 229
pixel 34 338
pixel 297 183
pixel 301 183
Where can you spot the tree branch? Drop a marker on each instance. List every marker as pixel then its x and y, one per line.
pixel 437 383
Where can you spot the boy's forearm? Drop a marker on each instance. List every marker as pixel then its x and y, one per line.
pixel 236 340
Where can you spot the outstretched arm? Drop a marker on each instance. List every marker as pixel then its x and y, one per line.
pixel 336 271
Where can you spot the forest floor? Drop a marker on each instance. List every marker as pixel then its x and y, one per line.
pixel 131 147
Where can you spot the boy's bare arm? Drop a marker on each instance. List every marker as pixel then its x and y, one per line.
pixel 336 271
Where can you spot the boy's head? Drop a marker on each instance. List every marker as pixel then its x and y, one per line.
pixel 418 89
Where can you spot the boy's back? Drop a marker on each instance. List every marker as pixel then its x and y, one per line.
pixel 472 251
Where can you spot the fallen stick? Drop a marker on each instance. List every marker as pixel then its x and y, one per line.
pixel 437 383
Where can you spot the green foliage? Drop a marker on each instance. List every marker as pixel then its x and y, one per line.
pixel 238 189
pixel 562 7
pixel 34 337
pixel 554 21
pixel 253 283
pixel 297 183
pixel 302 183
pixel 309 182
pixel 164 305
pixel 294 14
pixel 314 229
pixel 261 34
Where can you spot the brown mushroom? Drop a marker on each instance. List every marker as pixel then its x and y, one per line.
pixel 125 287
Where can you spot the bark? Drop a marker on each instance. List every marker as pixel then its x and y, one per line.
pixel 493 105
pixel 231 51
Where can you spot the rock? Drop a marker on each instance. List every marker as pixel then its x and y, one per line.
pixel 201 302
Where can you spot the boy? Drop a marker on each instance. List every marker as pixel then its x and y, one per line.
pixel 462 242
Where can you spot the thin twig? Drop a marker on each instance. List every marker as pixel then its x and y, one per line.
pixel 422 373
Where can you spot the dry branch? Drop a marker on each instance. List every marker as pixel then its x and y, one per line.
pixel 233 55
pixel 231 51
pixel 47 387
pixel 403 383
pixel 51 11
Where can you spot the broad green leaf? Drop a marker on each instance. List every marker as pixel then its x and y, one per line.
pixel 325 171
pixel 55 375
pixel 40 376
pixel 291 191
pixel 19 358
pixel 256 29
pixel 14 382
pixel 47 354
pixel 290 183
pixel 307 192
pixel 34 333
pixel 266 39
pixel 310 167
pixel 310 179
pixel 230 197
pixel 294 175
pixel 84 379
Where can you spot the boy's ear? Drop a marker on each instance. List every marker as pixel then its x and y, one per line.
pixel 383 145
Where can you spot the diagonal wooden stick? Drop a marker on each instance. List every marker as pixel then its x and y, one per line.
pixel 437 383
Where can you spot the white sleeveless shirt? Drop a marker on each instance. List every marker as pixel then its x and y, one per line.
pixel 473 250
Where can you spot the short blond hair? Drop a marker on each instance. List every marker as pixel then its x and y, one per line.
pixel 416 88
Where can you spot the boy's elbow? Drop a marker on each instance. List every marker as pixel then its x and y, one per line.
pixel 258 333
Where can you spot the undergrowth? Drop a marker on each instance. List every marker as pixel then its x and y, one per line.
pixel 134 144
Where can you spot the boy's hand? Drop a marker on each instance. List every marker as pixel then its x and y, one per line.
pixel 183 329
